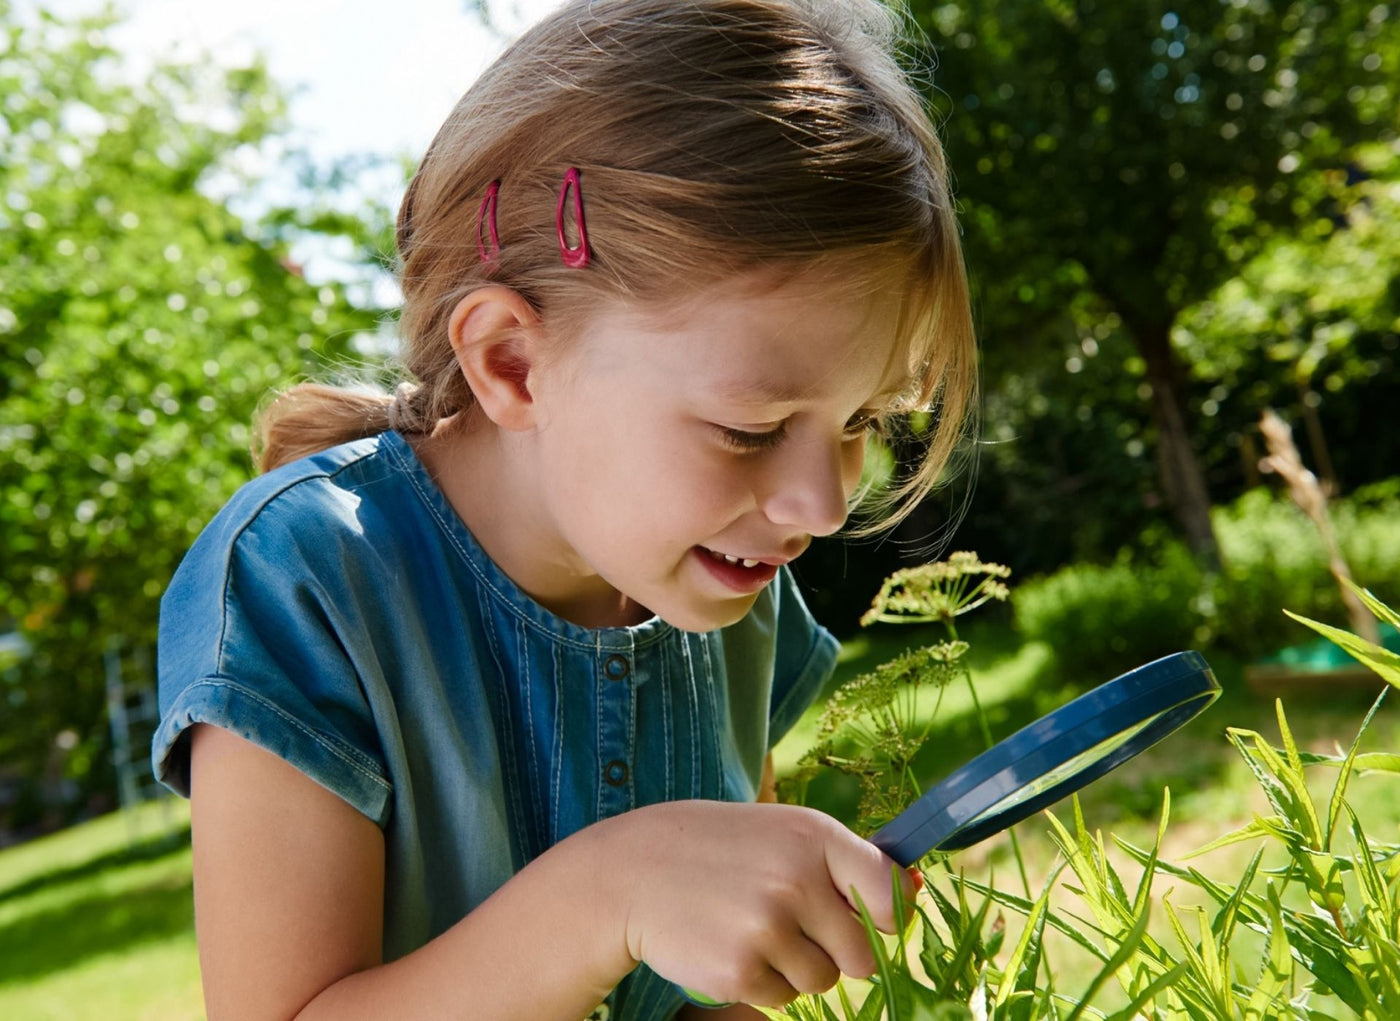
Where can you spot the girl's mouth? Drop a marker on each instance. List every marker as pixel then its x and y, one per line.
pixel 740 574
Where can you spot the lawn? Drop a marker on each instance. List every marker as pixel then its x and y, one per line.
pixel 97 921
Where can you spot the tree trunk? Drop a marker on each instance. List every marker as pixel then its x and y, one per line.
pixel 1182 479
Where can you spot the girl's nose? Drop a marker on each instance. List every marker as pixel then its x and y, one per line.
pixel 808 488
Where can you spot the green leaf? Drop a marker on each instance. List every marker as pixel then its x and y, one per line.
pixel 1035 925
pixel 1164 981
pixel 1250 831
pixel 882 960
pixel 1126 948
pixel 933 949
pixel 1378 608
pixel 1023 906
pixel 962 953
pixel 1385 663
pixel 1277 972
pixel 1334 807
pixel 1327 963
pixel 1374 893
pixel 1224 924
pixel 874 1004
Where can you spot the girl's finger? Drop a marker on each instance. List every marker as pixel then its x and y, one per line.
pixel 835 928
pixel 858 864
pixel 805 965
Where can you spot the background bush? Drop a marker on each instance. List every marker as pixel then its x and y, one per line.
pixel 1153 598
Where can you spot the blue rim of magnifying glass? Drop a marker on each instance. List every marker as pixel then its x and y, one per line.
pixel 1158 698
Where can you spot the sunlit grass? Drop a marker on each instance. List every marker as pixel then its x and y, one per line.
pixel 98 921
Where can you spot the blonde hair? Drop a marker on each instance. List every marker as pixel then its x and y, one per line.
pixel 712 137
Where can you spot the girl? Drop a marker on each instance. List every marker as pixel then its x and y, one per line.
pixel 473 693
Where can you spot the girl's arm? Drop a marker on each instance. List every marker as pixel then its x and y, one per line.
pixel 743 902
pixel 289 891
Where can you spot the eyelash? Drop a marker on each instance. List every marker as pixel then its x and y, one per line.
pixel 743 440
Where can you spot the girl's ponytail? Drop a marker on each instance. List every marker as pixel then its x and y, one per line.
pixel 312 417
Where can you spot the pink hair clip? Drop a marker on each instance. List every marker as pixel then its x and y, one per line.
pixel 486 226
pixel 577 257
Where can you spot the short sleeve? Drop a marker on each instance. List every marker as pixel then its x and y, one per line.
pixel 255 638
pixel 804 658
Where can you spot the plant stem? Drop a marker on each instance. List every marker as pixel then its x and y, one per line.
pixel 987 739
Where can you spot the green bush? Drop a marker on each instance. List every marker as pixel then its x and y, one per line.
pixel 1100 619
pixel 1275 557
pixel 1154 599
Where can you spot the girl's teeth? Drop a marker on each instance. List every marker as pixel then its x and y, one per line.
pixel 733 560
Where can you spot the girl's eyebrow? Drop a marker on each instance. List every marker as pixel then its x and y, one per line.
pixel 760 391
pixel 768 391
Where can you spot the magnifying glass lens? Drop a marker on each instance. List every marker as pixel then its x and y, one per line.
pixel 1084 760
pixel 1052 757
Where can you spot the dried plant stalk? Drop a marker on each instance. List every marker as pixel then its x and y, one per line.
pixel 1303 487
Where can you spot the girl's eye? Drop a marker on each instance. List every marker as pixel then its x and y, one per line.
pixel 743 440
pixel 861 423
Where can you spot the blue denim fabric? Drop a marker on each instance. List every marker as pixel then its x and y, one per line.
pixel 338 613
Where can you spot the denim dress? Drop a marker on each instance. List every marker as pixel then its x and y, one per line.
pixel 339 614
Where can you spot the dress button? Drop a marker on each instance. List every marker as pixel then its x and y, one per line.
pixel 615 773
pixel 616 668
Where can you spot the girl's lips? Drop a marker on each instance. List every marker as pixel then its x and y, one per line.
pixel 737 577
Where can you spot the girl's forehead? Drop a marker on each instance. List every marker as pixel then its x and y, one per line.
pixel 764 337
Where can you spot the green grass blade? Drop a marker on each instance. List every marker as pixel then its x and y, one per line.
pixel 1158 985
pixel 847 1007
pixel 1035 925
pixel 882 960
pixel 1378 608
pixel 1129 946
pixel 1334 807
pixel 1149 868
pixel 1385 663
pixel 1023 906
pixel 1374 895
pixel 1277 972
pixel 1250 831
pixel 1224 924
pixel 872 1007
pixel 962 953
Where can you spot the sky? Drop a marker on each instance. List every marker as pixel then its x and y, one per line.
pixel 364 75
pixel 361 77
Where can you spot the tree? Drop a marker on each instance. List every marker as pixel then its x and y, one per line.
pixel 141 322
pixel 1142 153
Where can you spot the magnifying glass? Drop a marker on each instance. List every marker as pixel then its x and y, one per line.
pixel 1048 760
pixel 1052 757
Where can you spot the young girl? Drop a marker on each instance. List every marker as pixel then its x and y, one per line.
pixel 473 694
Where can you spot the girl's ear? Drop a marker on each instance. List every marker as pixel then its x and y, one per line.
pixel 495 334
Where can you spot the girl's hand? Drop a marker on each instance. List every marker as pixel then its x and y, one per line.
pixel 749 902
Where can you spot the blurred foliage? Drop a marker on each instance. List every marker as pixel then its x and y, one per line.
pixel 1118 163
pixel 1154 598
pixel 141 322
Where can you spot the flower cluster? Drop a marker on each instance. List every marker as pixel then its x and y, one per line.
pixel 938 592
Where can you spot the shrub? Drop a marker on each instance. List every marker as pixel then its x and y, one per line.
pixel 1100 619
pixel 1153 599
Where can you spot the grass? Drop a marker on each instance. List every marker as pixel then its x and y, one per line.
pixel 97 921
